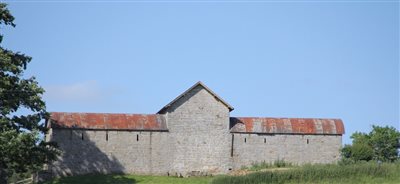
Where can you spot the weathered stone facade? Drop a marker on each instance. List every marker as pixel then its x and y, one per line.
pixel 193 135
pixel 296 149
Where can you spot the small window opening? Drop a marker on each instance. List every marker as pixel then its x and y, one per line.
pixel 137 137
pixel 265 140
pixel 245 140
pixel 82 136
pixel 106 136
pixel 308 141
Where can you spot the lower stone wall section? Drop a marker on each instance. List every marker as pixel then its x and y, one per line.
pixel 140 152
pixel 88 151
pixel 295 149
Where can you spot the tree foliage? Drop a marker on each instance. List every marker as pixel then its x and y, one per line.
pixel 381 144
pixel 385 143
pixel 21 148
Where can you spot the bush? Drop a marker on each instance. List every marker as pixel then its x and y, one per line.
pixel 257 166
pixel 382 144
pixel 282 163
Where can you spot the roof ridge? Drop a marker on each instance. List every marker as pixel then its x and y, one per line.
pixel 191 88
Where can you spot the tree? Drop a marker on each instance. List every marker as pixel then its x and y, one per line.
pixel 360 149
pixel 21 148
pixel 381 144
pixel 385 143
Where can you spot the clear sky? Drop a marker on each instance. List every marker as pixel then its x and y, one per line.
pixel 301 59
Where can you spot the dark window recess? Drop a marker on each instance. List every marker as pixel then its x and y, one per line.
pixel 233 138
pixel 107 136
pixel 265 140
pixel 245 140
pixel 82 136
pixel 308 141
pixel 137 137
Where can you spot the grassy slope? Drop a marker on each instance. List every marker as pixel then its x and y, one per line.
pixel 129 179
pixel 322 174
pixel 363 173
pixel 356 180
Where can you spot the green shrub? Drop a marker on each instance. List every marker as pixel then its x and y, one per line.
pixel 257 166
pixel 382 144
pixel 282 163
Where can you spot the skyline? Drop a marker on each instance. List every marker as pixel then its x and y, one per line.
pixel 295 60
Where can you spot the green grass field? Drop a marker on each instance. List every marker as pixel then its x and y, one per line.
pixel 362 173
pixel 330 173
pixel 129 179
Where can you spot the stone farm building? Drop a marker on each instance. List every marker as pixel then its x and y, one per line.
pixel 192 135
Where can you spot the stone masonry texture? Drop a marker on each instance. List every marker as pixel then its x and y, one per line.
pixel 198 141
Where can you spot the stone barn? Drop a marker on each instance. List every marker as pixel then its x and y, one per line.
pixel 192 135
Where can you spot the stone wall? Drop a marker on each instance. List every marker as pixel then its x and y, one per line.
pixel 296 149
pixel 89 151
pixel 199 128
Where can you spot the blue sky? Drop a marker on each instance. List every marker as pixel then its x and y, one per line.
pixel 267 59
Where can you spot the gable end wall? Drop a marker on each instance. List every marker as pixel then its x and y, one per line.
pixel 199 127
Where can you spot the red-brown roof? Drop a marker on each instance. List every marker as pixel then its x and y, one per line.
pixel 106 121
pixel 287 126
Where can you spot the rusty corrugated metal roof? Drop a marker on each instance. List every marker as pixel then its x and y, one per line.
pixel 107 121
pixel 286 125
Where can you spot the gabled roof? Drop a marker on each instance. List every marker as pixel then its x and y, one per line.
pixel 190 89
pixel 287 126
pixel 107 121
